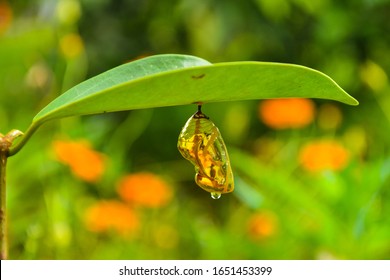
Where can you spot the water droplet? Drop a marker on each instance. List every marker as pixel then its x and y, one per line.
pixel 215 195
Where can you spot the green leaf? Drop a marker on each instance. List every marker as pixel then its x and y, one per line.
pixel 170 80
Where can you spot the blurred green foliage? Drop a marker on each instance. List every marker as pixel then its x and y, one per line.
pixel 279 210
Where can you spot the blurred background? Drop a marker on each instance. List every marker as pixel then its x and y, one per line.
pixel 312 177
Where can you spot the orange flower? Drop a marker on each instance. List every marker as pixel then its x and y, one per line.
pixel 111 215
pixel 262 225
pixel 5 16
pixel 84 162
pixel 287 112
pixel 323 155
pixel 144 189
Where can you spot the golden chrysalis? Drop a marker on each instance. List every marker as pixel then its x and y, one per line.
pixel 201 143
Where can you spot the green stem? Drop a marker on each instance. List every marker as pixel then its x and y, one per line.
pixel 5 147
pixel 26 136
pixel 3 214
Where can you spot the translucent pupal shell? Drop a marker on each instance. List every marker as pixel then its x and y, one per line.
pixel 201 143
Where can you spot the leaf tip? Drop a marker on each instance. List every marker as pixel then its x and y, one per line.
pixel 349 100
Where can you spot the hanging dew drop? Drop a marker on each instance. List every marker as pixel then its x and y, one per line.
pixel 215 195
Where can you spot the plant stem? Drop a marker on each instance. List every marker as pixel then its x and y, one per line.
pixel 30 131
pixel 3 214
pixel 5 144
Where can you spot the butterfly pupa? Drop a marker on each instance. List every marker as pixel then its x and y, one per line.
pixel 201 143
